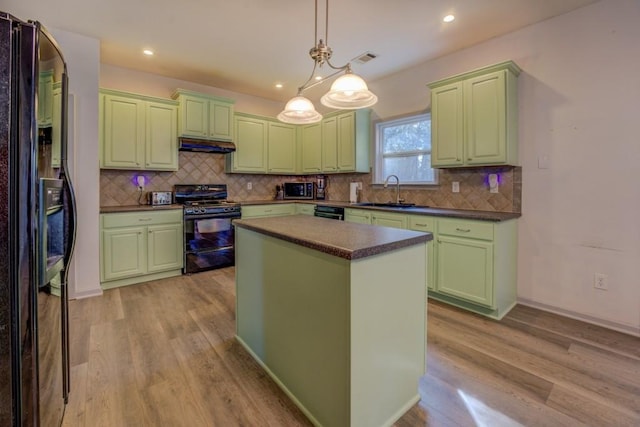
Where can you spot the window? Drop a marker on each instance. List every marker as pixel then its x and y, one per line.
pixel 403 148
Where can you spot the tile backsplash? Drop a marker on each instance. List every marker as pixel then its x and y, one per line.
pixel 118 187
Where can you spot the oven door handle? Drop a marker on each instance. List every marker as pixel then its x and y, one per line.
pixel 213 216
pixel 329 215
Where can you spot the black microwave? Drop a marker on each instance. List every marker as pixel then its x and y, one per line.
pixel 298 190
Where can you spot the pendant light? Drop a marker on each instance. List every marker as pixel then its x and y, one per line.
pixel 348 92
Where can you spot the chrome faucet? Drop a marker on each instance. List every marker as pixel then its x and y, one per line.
pixel 386 183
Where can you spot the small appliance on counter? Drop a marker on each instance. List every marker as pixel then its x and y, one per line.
pixel 321 187
pixel 160 198
pixel 354 191
pixel 298 190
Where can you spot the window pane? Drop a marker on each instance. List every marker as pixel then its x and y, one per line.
pixel 412 168
pixel 411 136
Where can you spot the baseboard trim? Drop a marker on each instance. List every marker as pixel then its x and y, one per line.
pixel 616 326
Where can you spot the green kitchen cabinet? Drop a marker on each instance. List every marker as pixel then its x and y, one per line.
pixel 345 142
pixel 476 265
pixel 281 148
pixel 137 132
pixel 311 148
pixel 389 219
pixel 251 135
pixel 474 118
pixel 140 246
pixel 426 224
pixel 305 208
pixel 360 216
pixel 261 211
pixel 330 145
pixel 204 116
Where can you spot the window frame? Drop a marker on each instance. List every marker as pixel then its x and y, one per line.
pixel 378 127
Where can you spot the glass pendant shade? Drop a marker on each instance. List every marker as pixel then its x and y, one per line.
pixel 299 110
pixel 349 92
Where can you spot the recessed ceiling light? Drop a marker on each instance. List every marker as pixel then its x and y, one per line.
pixel 318 77
pixel 449 18
pixel 148 52
pixel 279 85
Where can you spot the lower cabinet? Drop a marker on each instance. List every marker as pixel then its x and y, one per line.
pixel 305 208
pixel 470 263
pixel 140 246
pixel 261 211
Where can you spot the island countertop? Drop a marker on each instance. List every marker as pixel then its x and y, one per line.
pixel 338 238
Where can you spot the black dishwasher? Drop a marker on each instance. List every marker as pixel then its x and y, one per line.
pixel 331 212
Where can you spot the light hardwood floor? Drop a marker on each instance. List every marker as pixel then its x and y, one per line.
pixel 163 354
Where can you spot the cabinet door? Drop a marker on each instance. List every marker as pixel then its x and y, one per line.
pixel 123 133
pixel 311 148
pixel 426 224
pixel 124 253
pixel 251 145
pixel 305 209
pixel 485 115
pixel 281 148
pixel 358 216
pixel 330 145
pixel 465 269
pixel 346 144
pixel 161 137
pixel 447 125
pixel 389 220
pixel 220 121
pixel 164 247
pixel 194 116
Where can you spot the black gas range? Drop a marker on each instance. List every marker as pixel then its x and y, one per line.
pixel 208 232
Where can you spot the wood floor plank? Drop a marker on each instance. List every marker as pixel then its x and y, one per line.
pixel 164 353
pixel 591 384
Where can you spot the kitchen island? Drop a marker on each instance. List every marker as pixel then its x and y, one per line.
pixel 335 313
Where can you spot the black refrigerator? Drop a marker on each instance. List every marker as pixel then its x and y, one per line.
pixel 37 226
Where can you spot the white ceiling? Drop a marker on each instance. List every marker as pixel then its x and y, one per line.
pixel 249 45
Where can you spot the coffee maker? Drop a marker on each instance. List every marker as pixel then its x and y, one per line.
pixel 321 187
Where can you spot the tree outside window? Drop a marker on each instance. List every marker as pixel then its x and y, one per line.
pixel 403 148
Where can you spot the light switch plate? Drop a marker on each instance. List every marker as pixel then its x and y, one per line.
pixel 455 187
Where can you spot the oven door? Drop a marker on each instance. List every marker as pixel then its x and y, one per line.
pixel 209 243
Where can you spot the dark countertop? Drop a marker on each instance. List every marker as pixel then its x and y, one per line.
pixel 137 208
pixel 337 238
pixel 416 210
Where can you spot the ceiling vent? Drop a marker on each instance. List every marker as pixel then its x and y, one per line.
pixel 365 57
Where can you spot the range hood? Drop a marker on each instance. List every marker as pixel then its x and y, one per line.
pixel 205 145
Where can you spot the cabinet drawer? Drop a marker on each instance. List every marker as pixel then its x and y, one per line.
pixel 268 210
pixel 422 223
pixel 469 229
pixel 129 219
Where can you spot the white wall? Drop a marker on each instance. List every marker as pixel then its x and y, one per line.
pixel 82 55
pixel 579 97
pixel 112 77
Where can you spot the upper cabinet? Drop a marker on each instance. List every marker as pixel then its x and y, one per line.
pixel 338 144
pixel 251 145
pixel 204 116
pixel 137 132
pixel 474 118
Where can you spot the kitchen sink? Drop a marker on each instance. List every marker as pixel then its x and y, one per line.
pixel 390 205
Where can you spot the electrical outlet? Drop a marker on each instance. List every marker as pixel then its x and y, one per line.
pixel 600 281
pixel 249 185
pixel 455 187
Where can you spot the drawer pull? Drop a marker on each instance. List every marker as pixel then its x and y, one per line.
pixel 421 225
pixel 144 219
pixel 463 230
pixel 268 210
